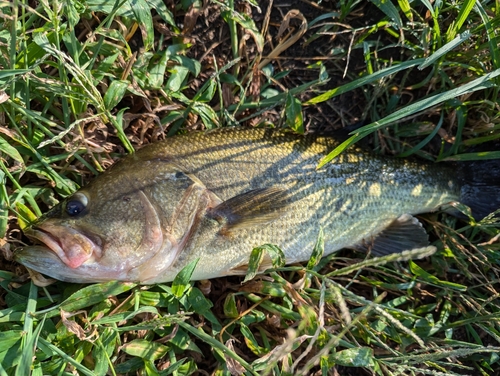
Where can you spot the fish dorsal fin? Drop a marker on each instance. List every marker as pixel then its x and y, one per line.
pixel 252 208
pixel 404 233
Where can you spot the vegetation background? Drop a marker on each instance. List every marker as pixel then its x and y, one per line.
pixel 85 82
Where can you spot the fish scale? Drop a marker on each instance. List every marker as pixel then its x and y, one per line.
pixel 215 195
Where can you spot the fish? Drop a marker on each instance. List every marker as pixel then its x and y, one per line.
pixel 213 196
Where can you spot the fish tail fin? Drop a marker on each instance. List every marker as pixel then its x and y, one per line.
pixel 480 186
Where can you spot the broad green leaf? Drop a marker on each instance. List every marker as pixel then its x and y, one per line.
pixel 193 65
pixel 14 314
pixel 182 341
pixel 250 341
pixel 143 16
pixel 34 53
pixel 145 349
pixel 186 369
pixel 177 76
pixel 118 124
pixel 257 257
pixel 9 338
pixel 115 93
pixel 309 321
pixel 293 111
pixel 105 66
pixel 202 305
pixel 318 251
pixel 279 309
pixel 247 24
pixel 170 370
pixel 207 114
pixel 199 303
pixel 11 151
pixel 109 340
pixel 25 216
pixel 181 281
pixel 89 296
pixel 465 210
pixel 157 299
pixel 64 185
pixel 156 73
pixel 355 357
pixel 150 369
pixel 230 308
pixel 130 366
pixel 164 13
pixel 207 92
pixel 425 326
pixel 390 10
pixel 10 358
pixel 229 79
pixel 269 93
pixel 114 35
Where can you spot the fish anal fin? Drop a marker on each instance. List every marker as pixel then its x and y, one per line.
pixel 404 233
pixel 249 209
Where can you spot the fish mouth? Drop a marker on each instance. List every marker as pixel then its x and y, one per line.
pixel 73 247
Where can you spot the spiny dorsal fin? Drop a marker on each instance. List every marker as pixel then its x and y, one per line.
pixel 404 233
pixel 252 208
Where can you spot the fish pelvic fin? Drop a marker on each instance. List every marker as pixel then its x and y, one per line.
pixel 404 233
pixel 253 208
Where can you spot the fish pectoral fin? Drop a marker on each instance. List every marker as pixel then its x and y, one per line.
pixel 404 233
pixel 252 208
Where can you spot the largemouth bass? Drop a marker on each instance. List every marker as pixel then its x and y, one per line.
pixel 216 195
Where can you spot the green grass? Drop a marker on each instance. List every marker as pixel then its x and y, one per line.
pixel 76 93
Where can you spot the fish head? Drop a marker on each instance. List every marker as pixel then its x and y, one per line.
pixel 119 227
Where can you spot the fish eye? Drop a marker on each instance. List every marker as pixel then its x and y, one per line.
pixel 76 204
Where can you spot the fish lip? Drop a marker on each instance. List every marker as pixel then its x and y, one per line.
pixel 73 246
pixel 43 260
pixel 38 235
